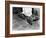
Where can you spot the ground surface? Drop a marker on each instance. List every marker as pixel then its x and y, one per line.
pixel 20 24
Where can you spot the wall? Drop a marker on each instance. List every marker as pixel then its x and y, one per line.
pixel 2 19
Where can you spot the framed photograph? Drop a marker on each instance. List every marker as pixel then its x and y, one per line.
pixel 24 18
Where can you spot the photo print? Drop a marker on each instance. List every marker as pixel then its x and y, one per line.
pixel 26 18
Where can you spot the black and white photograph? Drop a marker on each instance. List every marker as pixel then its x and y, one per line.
pixel 25 18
